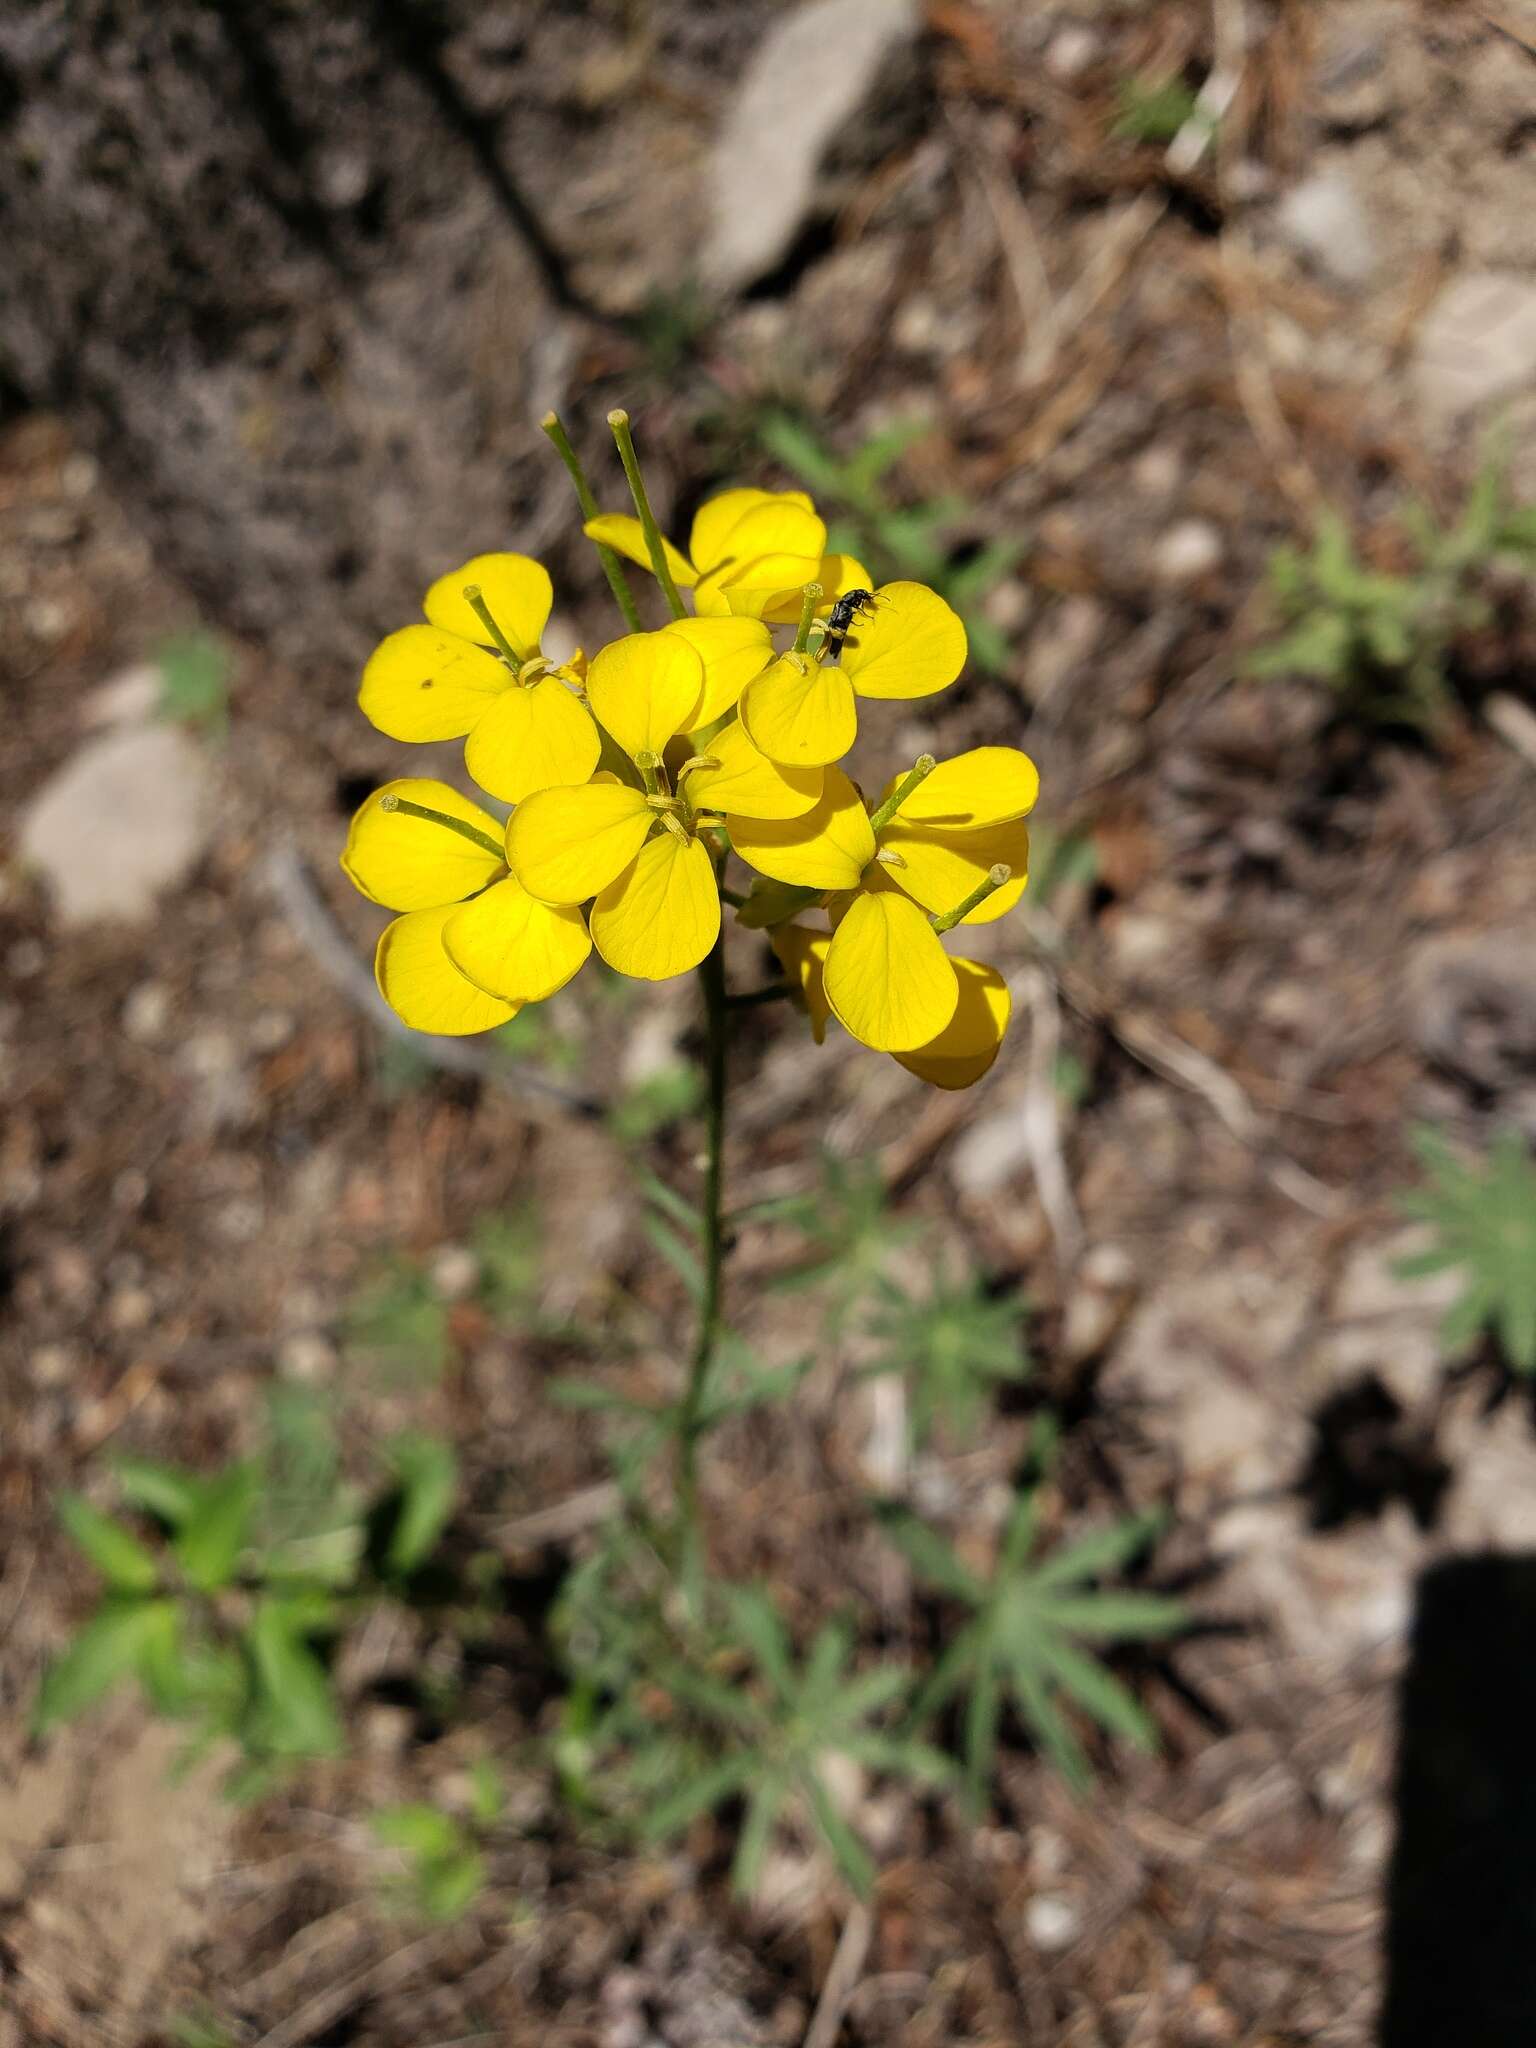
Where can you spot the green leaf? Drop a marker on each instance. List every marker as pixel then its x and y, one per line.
pixel 756 1624
pixel 1103 1550
pixel 293 1712
pixel 448 1887
pixel 166 1491
pixel 420 1829
pixel 428 1474
pixel 679 1255
pixel 763 1804
pixel 1097 1690
pixel 848 1852
pixel 209 1542
pixel 488 1795
pixel 702 1793
pixel 113 1645
pixel 121 1558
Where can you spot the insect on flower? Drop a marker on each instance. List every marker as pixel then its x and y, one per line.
pixel 855 604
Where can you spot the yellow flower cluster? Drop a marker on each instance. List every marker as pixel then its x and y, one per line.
pixel 632 777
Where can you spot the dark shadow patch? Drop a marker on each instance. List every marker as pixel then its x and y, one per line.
pixel 1366 1453
pixel 1461 1900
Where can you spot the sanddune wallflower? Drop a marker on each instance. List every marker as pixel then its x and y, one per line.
pixel 471 946
pixel 750 554
pixel 946 845
pixel 475 671
pixel 630 840
pixel 801 709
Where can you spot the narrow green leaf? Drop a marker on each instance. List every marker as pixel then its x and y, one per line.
pixel 209 1542
pixel 429 1477
pixel 293 1713
pixel 123 1561
pixel 164 1490
pixel 419 1829
pixel 848 1852
pixel 112 1645
pixel 756 1624
pixel 763 1803
pixel 701 1794
pixel 1099 1552
pixel 1097 1690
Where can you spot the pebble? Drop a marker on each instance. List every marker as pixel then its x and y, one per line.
pixel 306 1355
pixel 1325 221
pixel 1052 1922
pixel 991 1152
pixel 146 1012
pixel 129 698
pixel 1476 343
pixel 1187 551
pixel 269 1031
pixel 131 1308
pixel 51 1364
pixel 126 817
pixel 1071 51
pixel 798 91
pixel 455 1272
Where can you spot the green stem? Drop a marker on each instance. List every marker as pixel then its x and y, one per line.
pixel 460 825
pixel 920 772
pixel 619 421
pixel 691 1413
pixel 812 596
pixel 482 612
pixel 613 568
pixel 946 920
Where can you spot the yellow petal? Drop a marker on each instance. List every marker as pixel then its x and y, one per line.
pixel 888 979
pixel 803 956
pixel 517 593
pixel 747 783
pixel 717 515
pixel 969 1042
pixel 409 863
pixel 644 688
pixel 943 867
pixel 733 651
pixel 662 915
pixel 423 987
pixel 910 645
pixel 828 848
pixel 800 712
pixel 564 845
pixel 513 946
pixel 423 684
pixel 774 546
pixel 541 737
pixel 987 786
pixel 837 576
pixel 622 532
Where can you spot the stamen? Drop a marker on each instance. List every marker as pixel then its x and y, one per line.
pixel 403 804
pixel 888 857
pixel 697 761
pixel 922 769
pixel 946 920
pixel 482 612
pixel 535 670
pixel 675 826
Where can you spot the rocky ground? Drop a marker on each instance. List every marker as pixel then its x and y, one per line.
pixel 1148 361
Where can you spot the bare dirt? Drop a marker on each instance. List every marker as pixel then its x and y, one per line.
pixel 1300 939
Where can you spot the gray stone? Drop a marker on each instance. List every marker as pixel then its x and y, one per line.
pixel 126 818
pixel 809 74
pixel 991 1151
pixel 1188 550
pixel 1477 343
pixel 1324 220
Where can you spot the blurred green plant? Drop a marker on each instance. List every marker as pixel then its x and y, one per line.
pixel 1153 109
pixel 220 1588
pixel 194 682
pixel 748 1723
pixel 397 1322
pixel 1382 642
pixel 898 541
pixel 651 1106
pixel 954 1343
pixel 444 1853
pixel 849 1235
pixel 1033 1634
pixel 1483 1214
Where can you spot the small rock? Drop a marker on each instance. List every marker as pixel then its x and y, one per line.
pixel 269 1031
pixel 130 698
pixel 1052 1922
pixel 51 1364
pixel 1325 221
pixel 1187 551
pixel 1072 51
pixel 807 77
pixel 991 1152
pixel 126 818
pixel 131 1308
pixel 1477 343
pixel 146 1012
pixel 306 1355
pixel 1352 76
pixel 240 1220
pixel 455 1271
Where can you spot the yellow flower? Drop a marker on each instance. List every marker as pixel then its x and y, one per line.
pixel 630 840
pixel 476 669
pixel 955 1057
pixel 947 845
pixel 473 946
pixel 750 554
pixel 801 709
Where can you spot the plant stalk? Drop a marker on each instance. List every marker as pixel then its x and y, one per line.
pixel 691 1415
pixel 624 439
pixel 613 568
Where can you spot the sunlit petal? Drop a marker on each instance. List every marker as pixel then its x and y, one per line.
pixel 513 946
pixel 409 863
pixel 422 985
pixel 622 532
pixel 517 593
pixel 940 868
pixel 662 915
pixel 564 845
pixel 910 645
pixel 747 783
pixel 644 688
pixel 828 848
pixel 800 712
pixel 987 786
pixel 803 956
pixel 733 651
pixel 536 738
pixel 888 979
pixel 424 684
